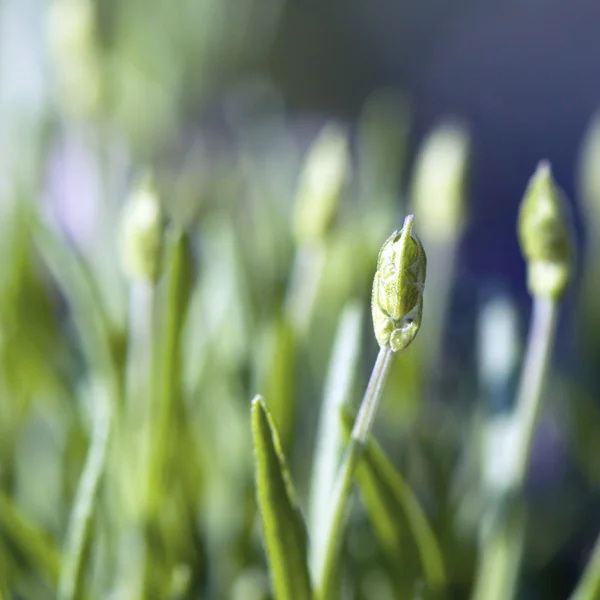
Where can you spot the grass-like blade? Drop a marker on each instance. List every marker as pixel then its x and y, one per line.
pixel 396 515
pixel 75 281
pixel 330 435
pixel 284 530
pixel 38 549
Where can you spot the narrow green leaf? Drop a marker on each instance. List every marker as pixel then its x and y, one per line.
pixel 85 503
pixel 172 303
pixel 330 435
pixel 283 526
pixel 38 549
pixel 276 374
pixel 73 277
pixel 396 514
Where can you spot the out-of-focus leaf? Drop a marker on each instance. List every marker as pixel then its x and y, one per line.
pixel 38 549
pixel 330 436
pixel 584 418
pixel 173 300
pixel 502 554
pixel 76 282
pixel 283 526
pixel 276 374
pixel 85 504
pixel 382 141
pixel 396 514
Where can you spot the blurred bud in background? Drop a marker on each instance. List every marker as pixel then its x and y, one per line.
pixel 588 188
pixel 382 137
pixel 141 233
pixel 439 181
pixel 545 235
pixel 438 196
pixel 75 53
pixel 589 174
pixel 321 185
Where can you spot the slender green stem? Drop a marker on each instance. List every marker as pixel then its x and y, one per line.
pixel 133 456
pixel 85 502
pixel 328 544
pixel 529 398
pixel 502 544
pixel 588 587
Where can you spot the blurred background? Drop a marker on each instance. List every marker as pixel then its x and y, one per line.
pixel 286 139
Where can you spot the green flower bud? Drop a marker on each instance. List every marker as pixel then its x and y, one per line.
pixel 397 299
pixel 141 233
pixel 73 43
pixel 438 185
pixel 545 235
pixel 321 184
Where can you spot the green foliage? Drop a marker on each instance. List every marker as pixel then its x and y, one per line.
pixel 283 525
pixel 133 333
pixel 399 521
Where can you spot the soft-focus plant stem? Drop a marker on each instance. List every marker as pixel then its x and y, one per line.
pixel 502 544
pixel 85 502
pixel 529 397
pixel 328 547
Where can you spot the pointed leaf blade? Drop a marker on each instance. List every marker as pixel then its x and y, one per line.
pixel 283 526
pixel 395 512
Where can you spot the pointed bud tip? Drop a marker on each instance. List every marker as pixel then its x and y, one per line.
pixel 545 234
pixel 397 297
pixel 142 232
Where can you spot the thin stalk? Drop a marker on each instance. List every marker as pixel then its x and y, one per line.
pixel 588 587
pixel 504 539
pixel 133 456
pixel 330 435
pixel 139 373
pixel 85 502
pixel 531 388
pixel 327 547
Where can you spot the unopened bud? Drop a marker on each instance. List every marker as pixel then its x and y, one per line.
pixel 397 299
pixel 589 172
pixel 72 33
pixel 439 181
pixel 141 233
pixel 545 235
pixel 321 185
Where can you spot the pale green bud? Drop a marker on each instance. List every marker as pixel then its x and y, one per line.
pixel 397 299
pixel 589 172
pixel 73 43
pixel 141 233
pixel 438 185
pixel 321 185
pixel 545 235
